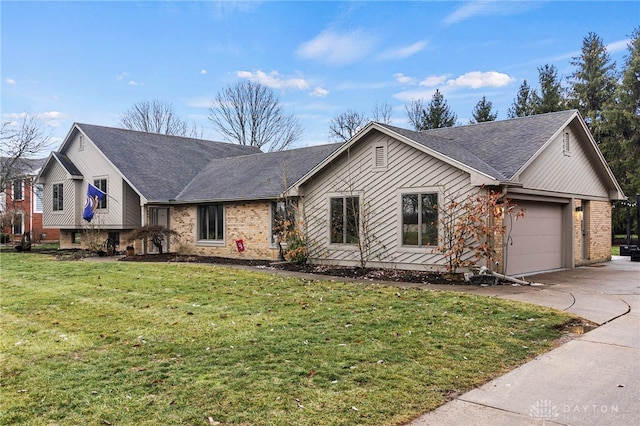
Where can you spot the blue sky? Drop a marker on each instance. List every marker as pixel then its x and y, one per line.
pixel 90 61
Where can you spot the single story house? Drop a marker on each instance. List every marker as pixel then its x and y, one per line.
pixel 386 184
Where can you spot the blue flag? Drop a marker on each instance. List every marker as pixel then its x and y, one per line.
pixel 94 196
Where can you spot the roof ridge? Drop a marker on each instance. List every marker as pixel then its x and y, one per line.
pixel 163 135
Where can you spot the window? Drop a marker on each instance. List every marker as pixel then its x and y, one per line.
pixel 566 144
pixel 345 213
pixel 283 219
pixel 16 223
pixel 211 222
pixel 18 190
pixel 419 220
pixel 37 197
pixel 101 184
pixel 58 197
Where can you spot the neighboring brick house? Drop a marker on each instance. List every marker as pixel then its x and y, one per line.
pixel 217 195
pixel 21 204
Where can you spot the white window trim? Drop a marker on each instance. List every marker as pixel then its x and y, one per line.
pixel 22 217
pixel 99 209
pixel 13 192
pixel 418 190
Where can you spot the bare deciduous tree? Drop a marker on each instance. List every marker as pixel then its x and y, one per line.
pixel 382 113
pixel 249 113
pixel 344 126
pixel 157 117
pixel 20 142
pixel 415 112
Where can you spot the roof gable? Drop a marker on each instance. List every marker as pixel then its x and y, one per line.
pixel 63 160
pixel 494 152
pixel 507 145
pixel 158 166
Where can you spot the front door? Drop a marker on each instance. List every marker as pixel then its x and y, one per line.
pixel 159 216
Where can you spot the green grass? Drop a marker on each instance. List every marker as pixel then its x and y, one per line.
pixel 132 343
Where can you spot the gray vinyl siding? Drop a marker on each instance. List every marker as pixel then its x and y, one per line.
pixel 131 207
pixel 93 165
pixel 64 218
pixel 408 170
pixel 571 173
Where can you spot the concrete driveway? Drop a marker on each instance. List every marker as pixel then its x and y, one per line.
pixel 593 379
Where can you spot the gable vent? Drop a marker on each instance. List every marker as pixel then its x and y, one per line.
pixel 379 156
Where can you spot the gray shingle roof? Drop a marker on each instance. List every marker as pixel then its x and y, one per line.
pixel 159 166
pixel 450 147
pixel 67 164
pixel 504 146
pixel 258 176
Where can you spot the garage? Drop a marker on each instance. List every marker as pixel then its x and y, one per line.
pixel 535 241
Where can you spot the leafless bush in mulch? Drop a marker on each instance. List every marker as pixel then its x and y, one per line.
pixel 373 274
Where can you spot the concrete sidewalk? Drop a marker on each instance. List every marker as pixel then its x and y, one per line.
pixel 592 380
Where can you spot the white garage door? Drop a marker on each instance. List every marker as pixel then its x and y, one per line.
pixel 536 239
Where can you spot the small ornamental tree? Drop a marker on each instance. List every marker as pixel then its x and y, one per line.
pixel 472 226
pixel 153 233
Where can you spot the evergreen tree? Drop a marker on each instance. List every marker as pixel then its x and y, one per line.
pixel 524 104
pixel 438 113
pixel 621 131
pixel 593 83
pixel 482 112
pixel 550 98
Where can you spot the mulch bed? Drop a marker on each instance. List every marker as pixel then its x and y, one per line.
pixel 392 275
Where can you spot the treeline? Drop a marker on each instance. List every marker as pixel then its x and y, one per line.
pixel 607 98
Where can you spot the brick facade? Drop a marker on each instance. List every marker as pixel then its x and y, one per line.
pixel 247 221
pixel 595 218
pixel 23 209
pixel 85 238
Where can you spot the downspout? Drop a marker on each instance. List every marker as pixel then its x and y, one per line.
pixel 31 183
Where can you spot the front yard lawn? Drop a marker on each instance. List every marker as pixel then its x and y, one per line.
pixel 154 343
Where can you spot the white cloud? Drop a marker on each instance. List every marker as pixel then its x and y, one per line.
pixel 489 7
pixel 337 48
pixel 9 81
pixel 319 92
pixel 133 83
pixel 618 46
pixel 433 80
pixel 203 71
pixel 274 80
pixel 477 79
pixel 409 95
pixel 49 118
pixel 53 115
pixel 403 79
pixel 402 52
